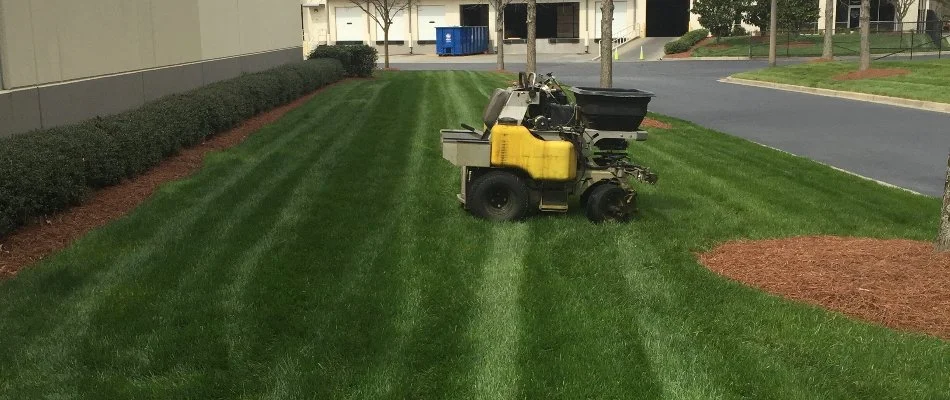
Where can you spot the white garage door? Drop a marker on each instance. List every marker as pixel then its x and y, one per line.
pixel 620 18
pixel 430 17
pixel 350 24
pixel 397 31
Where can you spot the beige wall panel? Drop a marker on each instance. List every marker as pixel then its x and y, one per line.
pixel 269 24
pixel 46 38
pixel 95 37
pixel 16 44
pixel 177 31
pixel 220 33
pixel 46 41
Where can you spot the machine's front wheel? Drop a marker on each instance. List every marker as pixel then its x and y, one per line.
pixel 608 202
pixel 499 196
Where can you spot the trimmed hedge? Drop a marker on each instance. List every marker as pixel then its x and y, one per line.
pixel 685 42
pixel 359 60
pixel 48 170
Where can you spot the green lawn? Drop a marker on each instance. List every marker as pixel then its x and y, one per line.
pixel 847 44
pixel 929 80
pixel 326 257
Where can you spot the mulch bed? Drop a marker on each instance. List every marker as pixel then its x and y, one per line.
pixel 32 243
pixel 689 53
pixel 901 284
pixel 872 73
pixel 652 123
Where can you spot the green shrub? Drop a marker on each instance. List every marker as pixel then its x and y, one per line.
pixel 49 170
pixel 685 42
pixel 738 30
pixel 358 60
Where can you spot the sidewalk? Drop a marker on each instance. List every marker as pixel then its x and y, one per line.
pixel 486 58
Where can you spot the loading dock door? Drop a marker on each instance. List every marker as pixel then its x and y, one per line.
pixel 350 24
pixel 620 18
pixel 397 31
pixel 430 17
pixel 667 18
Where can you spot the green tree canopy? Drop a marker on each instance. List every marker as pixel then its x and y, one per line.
pixel 793 15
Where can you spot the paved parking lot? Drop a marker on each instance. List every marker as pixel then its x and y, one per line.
pixel 900 146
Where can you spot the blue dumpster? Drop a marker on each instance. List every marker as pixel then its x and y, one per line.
pixel 461 40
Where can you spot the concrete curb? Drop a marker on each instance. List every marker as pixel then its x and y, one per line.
pixel 871 98
pixel 707 59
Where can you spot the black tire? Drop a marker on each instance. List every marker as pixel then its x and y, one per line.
pixel 499 196
pixel 607 202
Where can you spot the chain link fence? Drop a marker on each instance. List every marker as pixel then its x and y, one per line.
pixel 887 38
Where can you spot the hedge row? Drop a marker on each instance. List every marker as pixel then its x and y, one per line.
pixel 685 42
pixel 45 171
pixel 358 60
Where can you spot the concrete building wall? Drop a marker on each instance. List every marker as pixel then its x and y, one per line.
pixel 65 61
pixel 46 41
pixel 320 26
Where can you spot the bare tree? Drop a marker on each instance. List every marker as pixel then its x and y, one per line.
pixel 773 35
pixel 943 237
pixel 865 35
pixel 901 8
pixel 383 12
pixel 828 51
pixel 532 36
pixel 606 44
pixel 499 6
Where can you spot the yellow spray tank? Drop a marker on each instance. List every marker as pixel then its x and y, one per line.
pixel 513 146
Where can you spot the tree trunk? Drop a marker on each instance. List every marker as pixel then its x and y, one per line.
pixel 606 44
pixel 865 35
pixel 943 237
pixel 773 34
pixel 386 46
pixel 500 36
pixel 828 51
pixel 532 36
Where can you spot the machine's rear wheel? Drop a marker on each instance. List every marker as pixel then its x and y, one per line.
pixel 608 202
pixel 499 196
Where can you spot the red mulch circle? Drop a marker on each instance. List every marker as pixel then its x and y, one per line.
pixel 901 284
pixel 872 73
pixel 32 243
pixel 652 123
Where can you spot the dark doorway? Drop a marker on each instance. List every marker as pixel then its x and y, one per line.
pixel 516 26
pixel 474 14
pixel 667 18
pixel 554 21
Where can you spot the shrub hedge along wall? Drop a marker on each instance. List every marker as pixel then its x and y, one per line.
pixel 48 170
pixel 358 60
pixel 685 42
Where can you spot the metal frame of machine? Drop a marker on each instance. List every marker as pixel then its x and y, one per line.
pixel 537 149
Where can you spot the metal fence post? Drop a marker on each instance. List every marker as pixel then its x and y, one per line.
pixel 912 35
pixel 788 40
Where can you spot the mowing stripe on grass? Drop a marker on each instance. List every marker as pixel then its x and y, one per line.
pixel 78 310
pixel 316 182
pixel 378 285
pixel 496 327
pixel 380 381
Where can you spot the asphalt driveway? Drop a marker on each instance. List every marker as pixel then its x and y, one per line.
pixel 900 146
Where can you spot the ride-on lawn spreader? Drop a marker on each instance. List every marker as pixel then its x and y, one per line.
pixel 537 148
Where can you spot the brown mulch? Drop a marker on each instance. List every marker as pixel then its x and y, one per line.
pixel 901 284
pixel 872 73
pixel 689 53
pixel 652 123
pixel 820 60
pixel 32 243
